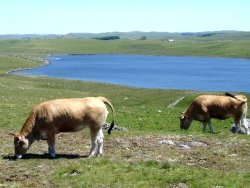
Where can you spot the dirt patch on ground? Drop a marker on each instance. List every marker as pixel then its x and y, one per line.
pixel 35 169
pixel 187 150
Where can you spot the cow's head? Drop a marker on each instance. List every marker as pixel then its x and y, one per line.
pixel 21 144
pixel 185 122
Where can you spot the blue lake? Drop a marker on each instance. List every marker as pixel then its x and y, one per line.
pixel 165 72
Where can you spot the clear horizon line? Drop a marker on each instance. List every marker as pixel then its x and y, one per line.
pixel 123 32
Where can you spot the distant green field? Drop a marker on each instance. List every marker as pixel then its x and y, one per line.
pixel 133 158
pixel 194 46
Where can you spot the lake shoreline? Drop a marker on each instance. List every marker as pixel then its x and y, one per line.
pixel 43 62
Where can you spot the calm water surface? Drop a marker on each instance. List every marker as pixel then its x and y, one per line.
pixel 165 72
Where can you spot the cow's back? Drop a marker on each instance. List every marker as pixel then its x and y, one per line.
pixel 69 115
pixel 220 107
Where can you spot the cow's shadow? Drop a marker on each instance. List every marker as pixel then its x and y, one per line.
pixel 44 156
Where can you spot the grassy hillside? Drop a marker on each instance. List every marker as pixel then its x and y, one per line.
pixel 133 158
pixel 215 45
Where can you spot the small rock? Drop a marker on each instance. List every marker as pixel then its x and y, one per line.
pixel 199 144
pixel 168 142
pixel 179 185
pixel 242 129
pixel 184 146
pixel 232 155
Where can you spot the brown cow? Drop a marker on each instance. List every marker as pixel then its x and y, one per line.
pixel 64 115
pixel 205 107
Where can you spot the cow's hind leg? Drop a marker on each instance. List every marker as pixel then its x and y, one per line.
pixel 94 136
pixel 237 124
pixel 100 137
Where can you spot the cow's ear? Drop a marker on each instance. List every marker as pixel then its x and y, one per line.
pixel 12 134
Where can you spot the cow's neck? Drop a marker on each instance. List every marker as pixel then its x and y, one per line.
pixel 189 112
pixel 27 129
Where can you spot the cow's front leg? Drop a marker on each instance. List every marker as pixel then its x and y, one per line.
pixel 211 127
pixel 204 126
pixel 51 145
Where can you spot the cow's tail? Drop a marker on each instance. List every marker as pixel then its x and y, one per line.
pixel 243 99
pixel 106 101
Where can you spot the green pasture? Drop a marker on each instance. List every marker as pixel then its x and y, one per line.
pixel 144 112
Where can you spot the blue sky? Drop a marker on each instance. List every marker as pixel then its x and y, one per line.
pixel 95 16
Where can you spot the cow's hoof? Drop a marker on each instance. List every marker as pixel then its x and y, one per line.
pixel 99 155
pixel 90 156
pixel 51 156
pixel 18 156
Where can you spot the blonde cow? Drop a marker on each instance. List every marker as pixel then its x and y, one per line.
pixel 64 115
pixel 205 107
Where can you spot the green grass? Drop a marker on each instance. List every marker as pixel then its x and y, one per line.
pixel 144 174
pixel 132 158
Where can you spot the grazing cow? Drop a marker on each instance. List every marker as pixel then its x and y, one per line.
pixel 205 107
pixel 64 115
